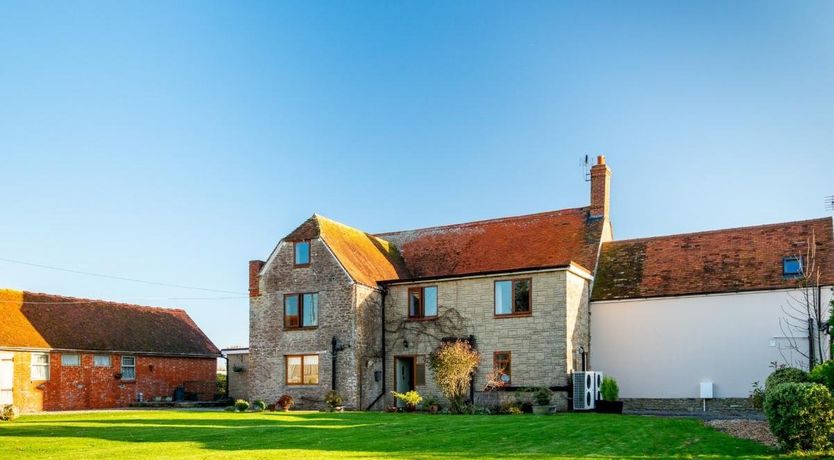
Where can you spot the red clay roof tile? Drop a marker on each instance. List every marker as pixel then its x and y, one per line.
pixel 729 260
pixel 548 239
pixel 35 320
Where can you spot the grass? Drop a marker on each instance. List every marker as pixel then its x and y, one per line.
pixel 310 435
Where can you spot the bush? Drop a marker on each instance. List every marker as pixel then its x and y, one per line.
pixel 785 375
pixel 333 399
pixel 542 396
pixel 800 415
pixel 409 398
pixel 258 406
pixel 513 410
pixel 431 400
pixel 221 384
pixel 285 402
pixel 241 405
pixel 824 374
pixel 9 413
pixel 452 365
pixel 757 396
pixel 609 389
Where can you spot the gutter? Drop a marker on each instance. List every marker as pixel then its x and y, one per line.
pixel 119 352
pixel 384 292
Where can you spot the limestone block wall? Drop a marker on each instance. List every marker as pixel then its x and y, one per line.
pixel 539 342
pixel 270 341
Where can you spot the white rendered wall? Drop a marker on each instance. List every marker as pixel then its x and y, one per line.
pixel 664 347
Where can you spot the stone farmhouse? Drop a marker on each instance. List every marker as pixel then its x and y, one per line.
pixel 540 296
pixel 65 353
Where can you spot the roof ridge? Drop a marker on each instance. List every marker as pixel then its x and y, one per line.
pixel 108 302
pixel 483 221
pixel 719 230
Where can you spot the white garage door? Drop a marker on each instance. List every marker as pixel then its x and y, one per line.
pixel 6 378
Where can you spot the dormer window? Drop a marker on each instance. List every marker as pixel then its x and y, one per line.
pixel 792 266
pixel 301 251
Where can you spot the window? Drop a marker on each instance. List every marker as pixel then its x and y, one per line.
pixel 792 266
pixel 128 367
pixel 419 370
pixel 70 359
pixel 422 302
pixel 101 360
pixel 301 252
pixel 501 363
pixel 40 366
pixel 302 370
pixel 512 297
pixel 301 310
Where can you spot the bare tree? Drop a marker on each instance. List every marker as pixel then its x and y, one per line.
pixel 805 322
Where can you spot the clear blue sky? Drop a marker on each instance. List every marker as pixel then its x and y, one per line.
pixel 174 141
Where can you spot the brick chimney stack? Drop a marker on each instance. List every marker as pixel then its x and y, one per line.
pixel 255 267
pixel 600 189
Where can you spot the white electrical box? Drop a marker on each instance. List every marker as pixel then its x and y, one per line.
pixel 706 390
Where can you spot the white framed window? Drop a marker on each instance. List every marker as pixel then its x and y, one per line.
pixel 101 360
pixel 70 359
pixel 40 366
pixel 128 367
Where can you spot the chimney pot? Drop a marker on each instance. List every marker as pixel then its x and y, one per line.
pixel 601 159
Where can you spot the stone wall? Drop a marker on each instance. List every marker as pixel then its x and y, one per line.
pixel 237 380
pixel 270 342
pixel 719 407
pixel 538 342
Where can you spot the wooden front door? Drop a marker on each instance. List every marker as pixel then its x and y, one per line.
pixel 404 375
pixel 6 378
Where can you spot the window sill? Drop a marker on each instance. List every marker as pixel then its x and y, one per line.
pixel 311 385
pixel 301 266
pixel 513 315
pixel 421 319
pixel 307 328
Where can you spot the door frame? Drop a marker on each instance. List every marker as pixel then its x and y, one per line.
pixel 413 381
pixel 9 356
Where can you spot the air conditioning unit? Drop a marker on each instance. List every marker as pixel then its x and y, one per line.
pixel 584 394
pixel 586 389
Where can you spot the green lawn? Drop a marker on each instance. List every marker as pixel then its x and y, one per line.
pixel 309 435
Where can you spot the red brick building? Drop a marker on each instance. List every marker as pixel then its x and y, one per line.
pixel 64 353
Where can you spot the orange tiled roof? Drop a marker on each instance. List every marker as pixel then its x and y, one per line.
pixel 367 258
pixel 730 260
pixel 44 321
pixel 546 239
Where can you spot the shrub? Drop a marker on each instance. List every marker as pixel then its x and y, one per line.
pixel 409 398
pixel 542 396
pixel 452 365
pixel 9 413
pixel 221 384
pixel 513 410
pixel 824 374
pixel 800 415
pixel 431 400
pixel 258 406
pixel 285 402
pixel 241 405
pixel 333 399
pixel 609 389
pixel 757 396
pixel 785 375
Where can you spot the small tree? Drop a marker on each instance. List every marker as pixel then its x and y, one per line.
pixel 453 365
pixel 805 323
